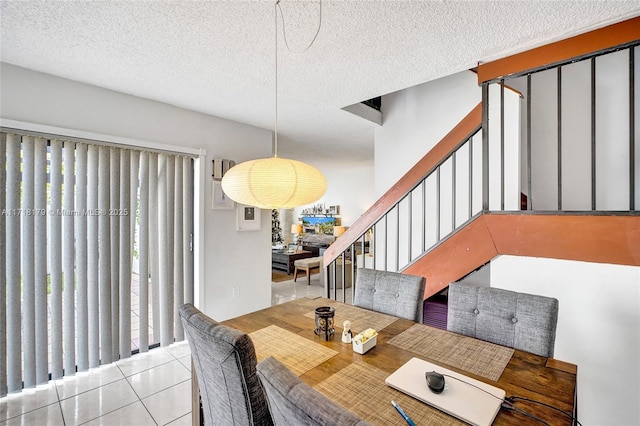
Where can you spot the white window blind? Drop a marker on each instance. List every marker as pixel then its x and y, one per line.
pixel 94 239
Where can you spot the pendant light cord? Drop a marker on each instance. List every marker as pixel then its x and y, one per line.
pixel 284 35
pixel 275 129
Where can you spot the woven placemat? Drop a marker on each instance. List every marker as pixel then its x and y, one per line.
pixel 360 388
pixel 475 356
pixel 296 352
pixel 360 318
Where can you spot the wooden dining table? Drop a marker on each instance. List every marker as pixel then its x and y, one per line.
pixel 357 381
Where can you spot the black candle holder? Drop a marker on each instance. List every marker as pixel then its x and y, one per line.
pixel 324 321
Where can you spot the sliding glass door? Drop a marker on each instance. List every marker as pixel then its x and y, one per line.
pixel 95 254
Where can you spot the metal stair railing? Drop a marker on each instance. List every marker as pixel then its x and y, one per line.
pixel 421 216
pixel 432 208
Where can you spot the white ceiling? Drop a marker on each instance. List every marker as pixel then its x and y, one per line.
pixel 217 57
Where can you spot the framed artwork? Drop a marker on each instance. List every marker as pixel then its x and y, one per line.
pixel 248 218
pixel 219 200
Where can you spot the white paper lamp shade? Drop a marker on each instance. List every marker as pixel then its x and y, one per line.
pixel 274 183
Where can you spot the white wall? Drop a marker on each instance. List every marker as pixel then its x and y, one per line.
pixel 349 185
pixel 43 99
pixel 415 119
pixel 598 328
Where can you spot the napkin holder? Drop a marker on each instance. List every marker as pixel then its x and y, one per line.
pixel 364 341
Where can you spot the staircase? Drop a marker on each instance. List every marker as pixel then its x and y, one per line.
pixel 460 205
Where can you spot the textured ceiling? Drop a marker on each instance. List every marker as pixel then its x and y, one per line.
pixel 217 57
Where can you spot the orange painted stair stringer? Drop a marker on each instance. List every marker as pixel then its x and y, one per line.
pixel 612 239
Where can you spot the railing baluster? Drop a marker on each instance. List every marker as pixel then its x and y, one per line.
pixel 502 144
pixel 353 280
pixel 470 145
pixel 410 227
pixel 372 245
pixel 485 146
pixel 559 115
pixel 344 272
pixel 593 133
pixel 632 129
pixel 386 241
pixel 424 214
pixel 334 273
pixel 337 275
pixel 453 190
pixel 397 236
pixel 354 266
pixel 438 204
pixel 529 186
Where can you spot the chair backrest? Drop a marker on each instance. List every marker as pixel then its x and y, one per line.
pixel 517 320
pixel 225 362
pixel 293 402
pixel 391 293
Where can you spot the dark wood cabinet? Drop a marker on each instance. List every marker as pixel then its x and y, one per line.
pixel 314 249
pixel 283 261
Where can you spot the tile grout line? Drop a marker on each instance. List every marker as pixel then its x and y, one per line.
pixel 140 399
pixel 113 411
pixel 55 385
pixel 175 359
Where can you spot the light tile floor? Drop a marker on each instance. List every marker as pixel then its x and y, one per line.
pixel 285 291
pixel 289 290
pixel 152 388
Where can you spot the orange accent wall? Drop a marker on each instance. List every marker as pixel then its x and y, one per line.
pixel 464 252
pixel 560 51
pixel 589 238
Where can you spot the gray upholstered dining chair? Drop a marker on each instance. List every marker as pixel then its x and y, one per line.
pixel 225 362
pixel 392 293
pixel 293 402
pixel 517 320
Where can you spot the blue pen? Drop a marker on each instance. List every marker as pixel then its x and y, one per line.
pixel 404 416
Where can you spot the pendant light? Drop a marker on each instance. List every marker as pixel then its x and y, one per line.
pixel 275 183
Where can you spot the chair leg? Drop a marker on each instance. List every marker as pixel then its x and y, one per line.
pixel 295 274
pixel 308 276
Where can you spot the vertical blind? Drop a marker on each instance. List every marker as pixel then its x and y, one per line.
pixel 93 239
